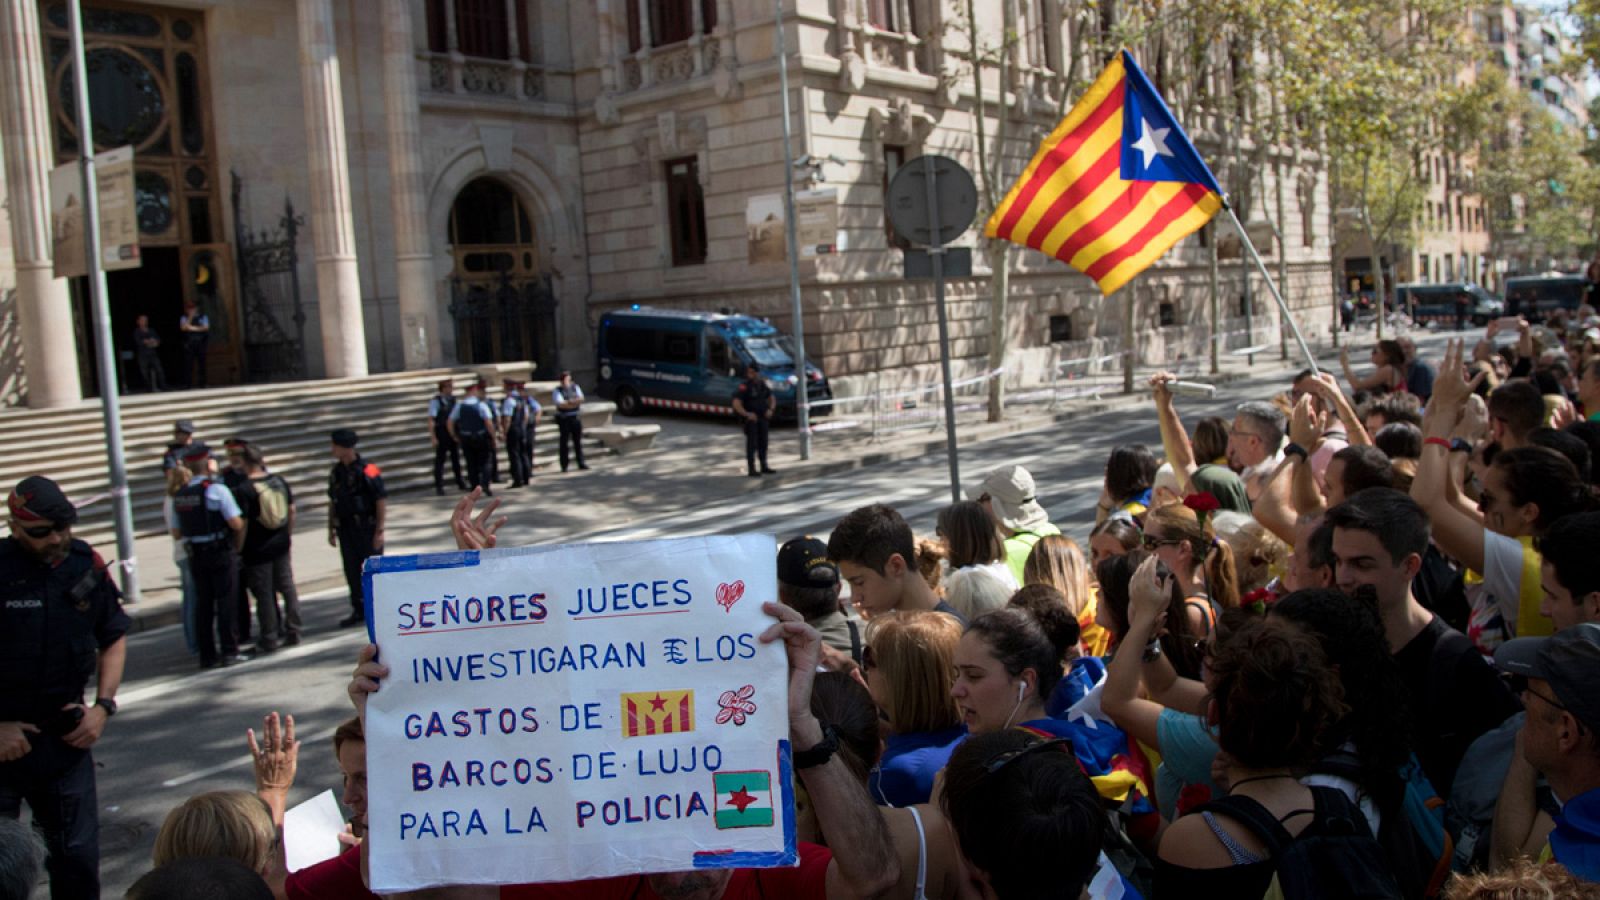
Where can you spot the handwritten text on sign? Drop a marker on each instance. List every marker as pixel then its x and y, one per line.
pixel 559 713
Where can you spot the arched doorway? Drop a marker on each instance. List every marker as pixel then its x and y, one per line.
pixel 501 300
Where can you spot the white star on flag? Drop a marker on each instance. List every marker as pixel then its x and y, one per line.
pixel 1153 143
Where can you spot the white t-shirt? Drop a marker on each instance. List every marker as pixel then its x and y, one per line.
pixel 1502 574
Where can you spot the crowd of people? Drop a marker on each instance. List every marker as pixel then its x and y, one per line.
pixel 1345 644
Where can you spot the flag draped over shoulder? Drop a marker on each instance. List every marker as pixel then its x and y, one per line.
pixel 1114 186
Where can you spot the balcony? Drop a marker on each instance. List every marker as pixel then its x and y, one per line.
pixel 475 77
pixel 672 64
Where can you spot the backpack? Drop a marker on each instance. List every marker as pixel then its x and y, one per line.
pixel 1470 813
pixel 273 497
pixel 1335 856
pixel 472 427
pixel 1412 833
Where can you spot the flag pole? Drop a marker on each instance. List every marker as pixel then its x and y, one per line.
pixel 1244 237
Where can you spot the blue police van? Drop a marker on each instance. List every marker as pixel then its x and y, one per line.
pixel 674 359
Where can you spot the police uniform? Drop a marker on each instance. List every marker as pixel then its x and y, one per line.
pixel 519 412
pixel 570 421
pixel 56 622
pixel 354 492
pixel 478 445
pixel 444 445
pixel 754 398
pixel 235 480
pixel 201 511
pixel 174 454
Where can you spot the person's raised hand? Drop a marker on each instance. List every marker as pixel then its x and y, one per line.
pixel 1158 386
pixel 1452 388
pixel 475 531
pixel 1344 357
pixel 1473 423
pixel 803 645
pixel 1304 423
pixel 277 755
pixel 368 675
pixel 1148 592
pixel 1564 414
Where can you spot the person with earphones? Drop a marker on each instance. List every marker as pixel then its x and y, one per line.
pixel 1006 665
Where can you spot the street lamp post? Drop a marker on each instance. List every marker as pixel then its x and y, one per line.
pixel 802 397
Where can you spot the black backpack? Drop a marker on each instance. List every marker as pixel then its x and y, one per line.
pixel 1335 856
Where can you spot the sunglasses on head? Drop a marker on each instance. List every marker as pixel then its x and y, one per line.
pixel 1001 760
pixel 1151 542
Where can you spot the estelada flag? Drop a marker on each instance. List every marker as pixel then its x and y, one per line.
pixel 657 712
pixel 1114 186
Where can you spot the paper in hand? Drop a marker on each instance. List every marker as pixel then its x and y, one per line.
pixel 311 831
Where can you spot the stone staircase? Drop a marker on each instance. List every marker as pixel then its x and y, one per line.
pixel 289 421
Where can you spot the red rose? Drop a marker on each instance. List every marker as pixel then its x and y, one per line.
pixel 1202 503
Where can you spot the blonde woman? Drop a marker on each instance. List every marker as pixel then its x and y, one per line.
pixel 909 664
pixel 177 477
pixel 1259 556
pixel 230 824
pixel 1058 561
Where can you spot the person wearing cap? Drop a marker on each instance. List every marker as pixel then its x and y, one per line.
pixel 358 506
pixel 439 407
pixel 519 417
pixel 61 620
pixel 471 424
pixel 754 402
pixel 808 583
pixel 233 474
pixel 1007 494
pixel 1560 739
pixel 182 434
pixel 207 515
pixel 568 398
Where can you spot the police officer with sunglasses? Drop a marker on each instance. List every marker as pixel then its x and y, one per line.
pixel 61 621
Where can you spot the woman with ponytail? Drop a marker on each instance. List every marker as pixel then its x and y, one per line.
pixel 1203 564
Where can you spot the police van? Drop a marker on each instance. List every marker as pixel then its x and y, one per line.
pixel 1535 297
pixel 1437 302
pixel 674 359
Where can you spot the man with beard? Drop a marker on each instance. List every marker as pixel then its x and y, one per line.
pixel 61 620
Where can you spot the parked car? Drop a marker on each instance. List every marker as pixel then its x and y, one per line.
pixel 676 359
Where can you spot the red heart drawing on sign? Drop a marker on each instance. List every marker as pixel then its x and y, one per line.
pixel 729 594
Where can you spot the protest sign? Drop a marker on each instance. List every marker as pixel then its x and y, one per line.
pixel 560 713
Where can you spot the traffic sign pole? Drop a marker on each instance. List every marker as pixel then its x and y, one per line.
pixel 936 253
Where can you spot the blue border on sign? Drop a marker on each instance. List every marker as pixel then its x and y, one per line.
pixel 790 854
pixel 375 565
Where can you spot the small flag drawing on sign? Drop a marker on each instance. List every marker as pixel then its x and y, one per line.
pixel 657 712
pixel 744 799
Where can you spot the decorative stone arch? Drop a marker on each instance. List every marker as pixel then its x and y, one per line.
pixel 556 225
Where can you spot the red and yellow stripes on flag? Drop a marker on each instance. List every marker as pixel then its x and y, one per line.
pixel 657 712
pixel 1073 203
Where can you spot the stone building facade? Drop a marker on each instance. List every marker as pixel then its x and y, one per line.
pixel 350 186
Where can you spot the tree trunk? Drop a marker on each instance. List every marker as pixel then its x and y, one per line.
pixel 1216 319
pixel 1375 259
pixel 1000 282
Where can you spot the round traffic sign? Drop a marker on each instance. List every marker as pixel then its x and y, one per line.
pixel 931 216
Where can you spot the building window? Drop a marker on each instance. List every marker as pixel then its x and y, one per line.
pixel 686 210
pixel 1060 329
pixel 893 158
pixel 483 28
pixel 671 21
pixel 1169 313
pixel 884 16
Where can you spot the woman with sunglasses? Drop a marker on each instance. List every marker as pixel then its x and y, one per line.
pixel 908 663
pixel 1180 641
pixel 1202 563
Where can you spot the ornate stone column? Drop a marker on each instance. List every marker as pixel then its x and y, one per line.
pixel 408 203
pixel 44 306
pixel 333 232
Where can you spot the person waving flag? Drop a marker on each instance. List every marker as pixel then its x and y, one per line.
pixel 1114 186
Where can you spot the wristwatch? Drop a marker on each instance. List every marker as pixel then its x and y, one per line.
pixel 1293 449
pixel 1460 445
pixel 1152 650
pixel 821 753
pixel 107 704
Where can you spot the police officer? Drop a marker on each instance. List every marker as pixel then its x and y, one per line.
pixel 519 417
pixel 182 434
pixel 568 398
pixel 207 515
pixel 61 620
pixel 439 435
pixel 472 425
pixel 755 403
pixel 355 519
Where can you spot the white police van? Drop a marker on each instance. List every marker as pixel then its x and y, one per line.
pixel 674 359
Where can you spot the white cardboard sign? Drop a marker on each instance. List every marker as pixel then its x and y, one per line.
pixel 571 712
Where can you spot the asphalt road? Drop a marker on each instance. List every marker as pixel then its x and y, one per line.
pixel 182 732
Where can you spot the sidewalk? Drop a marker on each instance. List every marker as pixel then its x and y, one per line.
pixel 683 472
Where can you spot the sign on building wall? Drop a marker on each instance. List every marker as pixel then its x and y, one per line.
pixel 571 712
pixel 816 216
pixel 119 226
